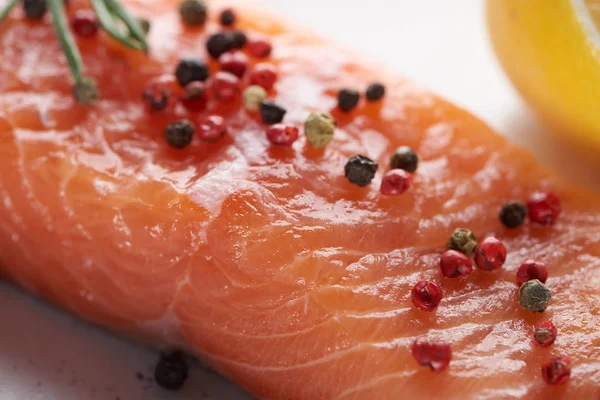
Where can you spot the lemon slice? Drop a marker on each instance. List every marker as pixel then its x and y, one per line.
pixel 550 49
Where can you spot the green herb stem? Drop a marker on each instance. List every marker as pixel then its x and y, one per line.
pixel 59 20
pixel 107 20
pixel 9 6
pixel 132 23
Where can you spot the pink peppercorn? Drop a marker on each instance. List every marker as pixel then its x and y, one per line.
pixel 264 75
pixel 454 264
pixel 396 182
pixel 160 93
pixel 556 371
pixel 543 208
pixel 224 86
pixel 282 134
pixel 84 23
pixel 426 296
pixel 436 356
pixel 545 334
pixel 234 62
pixel 260 47
pixel 211 128
pixel 194 96
pixel 530 270
pixel 490 254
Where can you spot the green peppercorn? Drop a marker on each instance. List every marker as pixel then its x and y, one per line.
pixel 513 213
pixel 404 158
pixel 179 133
pixel 319 128
pixel 360 170
pixel 253 96
pixel 534 296
pixel 193 12
pixel 463 240
pixel 86 91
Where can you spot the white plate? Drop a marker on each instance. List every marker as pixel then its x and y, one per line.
pixel 442 44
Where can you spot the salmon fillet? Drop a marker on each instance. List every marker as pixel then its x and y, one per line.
pixel 264 261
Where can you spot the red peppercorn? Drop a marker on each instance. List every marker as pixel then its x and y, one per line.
pixel 84 23
pixel 264 75
pixel 396 182
pixel 160 93
pixel 260 47
pixel 436 356
pixel 194 96
pixel 556 371
pixel 224 86
pixel 234 62
pixel 543 208
pixel 545 334
pixel 426 296
pixel 282 134
pixel 212 128
pixel 490 254
pixel 530 270
pixel 454 264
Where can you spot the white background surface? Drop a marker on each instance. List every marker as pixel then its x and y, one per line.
pixel 442 44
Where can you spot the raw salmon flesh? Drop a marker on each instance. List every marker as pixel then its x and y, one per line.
pixel 265 261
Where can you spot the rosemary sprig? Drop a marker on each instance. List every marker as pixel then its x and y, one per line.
pixel 105 17
pixel 59 21
pixel 132 23
pixel 6 9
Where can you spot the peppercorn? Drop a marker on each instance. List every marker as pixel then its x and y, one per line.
pixel 348 99
pixel 253 97
pixel 156 98
pixel 395 182
pixel 239 39
pixel 84 23
pixel 463 240
pixel 282 134
pixel 224 86
pixel 193 12
pixel 454 264
pixel 545 334
pixel 436 356
pixel 426 296
pixel 360 170
pixel 490 254
pixel 171 372
pixel 179 133
pixel 212 128
pixel 534 296
pixel 404 158
pixel 264 74
pixel 234 62
pixel 319 128
pixel 543 208
pixel 227 17
pixel 530 270
pixel 556 371
pixel 513 213
pixel 271 113
pixel 219 44
pixel 145 24
pixel 191 70
pixel 375 92
pixel 194 96
pixel 34 9
pixel 86 91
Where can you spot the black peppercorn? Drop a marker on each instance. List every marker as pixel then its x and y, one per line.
pixel 513 214
pixel 193 12
pixel 375 92
pixel 271 113
pixel 171 371
pixel 179 133
pixel 404 158
pixel 191 70
pixel 34 9
pixel 239 39
pixel 348 99
pixel 156 99
pixel 228 17
pixel 219 43
pixel 360 170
